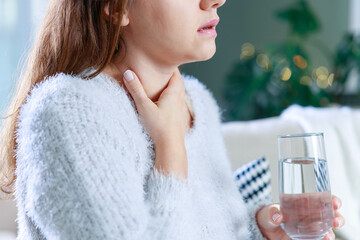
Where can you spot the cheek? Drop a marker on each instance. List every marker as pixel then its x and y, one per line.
pixel 171 32
pixel 174 25
pixel 174 20
pixel 155 25
pixel 164 20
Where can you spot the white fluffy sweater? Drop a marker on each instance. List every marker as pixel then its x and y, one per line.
pixel 84 164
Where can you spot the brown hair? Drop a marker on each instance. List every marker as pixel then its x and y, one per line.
pixel 74 36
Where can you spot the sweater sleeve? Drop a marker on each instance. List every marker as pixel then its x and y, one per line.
pixel 253 227
pixel 66 160
pixel 242 216
pixel 236 204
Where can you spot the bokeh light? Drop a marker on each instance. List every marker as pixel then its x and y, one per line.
pixel 331 79
pixel 321 76
pixel 263 61
pixel 247 50
pixel 300 62
pixel 286 74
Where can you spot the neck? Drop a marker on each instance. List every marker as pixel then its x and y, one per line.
pixel 153 75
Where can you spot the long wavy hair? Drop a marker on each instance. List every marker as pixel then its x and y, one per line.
pixel 74 36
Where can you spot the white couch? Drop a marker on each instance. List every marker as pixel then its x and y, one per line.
pixel 245 141
pixel 7 220
pixel 250 140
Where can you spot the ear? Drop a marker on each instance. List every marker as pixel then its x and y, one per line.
pixel 116 15
pixel 125 20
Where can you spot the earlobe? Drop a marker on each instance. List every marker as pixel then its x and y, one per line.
pixel 115 16
pixel 125 19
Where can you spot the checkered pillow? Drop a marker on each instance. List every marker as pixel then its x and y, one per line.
pixel 253 181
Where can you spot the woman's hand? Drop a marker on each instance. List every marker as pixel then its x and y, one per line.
pixel 270 217
pixel 166 117
pixel 165 120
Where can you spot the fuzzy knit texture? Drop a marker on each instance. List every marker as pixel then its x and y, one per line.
pixel 84 165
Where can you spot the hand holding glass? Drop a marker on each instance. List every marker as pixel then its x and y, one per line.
pixel 304 186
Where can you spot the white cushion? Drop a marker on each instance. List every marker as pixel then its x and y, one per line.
pixel 249 140
pixel 253 182
pixel 5 235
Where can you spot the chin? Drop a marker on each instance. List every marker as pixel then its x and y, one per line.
pixel 207 52
pixel 209 55
pixel 203 55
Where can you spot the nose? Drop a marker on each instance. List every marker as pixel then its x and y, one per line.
pixel 207 4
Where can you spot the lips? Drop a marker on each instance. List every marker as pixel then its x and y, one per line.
pixel 209 27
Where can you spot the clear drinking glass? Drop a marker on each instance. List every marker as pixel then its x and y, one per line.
pixel 304 186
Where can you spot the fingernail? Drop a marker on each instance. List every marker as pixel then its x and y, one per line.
pixel 128 75
pixel 339 204
pixel 275 217
pixel 338 223
pixel 328 237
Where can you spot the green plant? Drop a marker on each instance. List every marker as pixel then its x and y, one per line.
pixel 263 84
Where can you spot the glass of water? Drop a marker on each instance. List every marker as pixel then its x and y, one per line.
pixel 304 186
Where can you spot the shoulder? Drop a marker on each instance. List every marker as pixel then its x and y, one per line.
pixel 49 96
pixel 64 115
pixel 65 106
pixel 49 101
pixel 54 88
pixel 62 107
pixel 69 95
pixel 61 87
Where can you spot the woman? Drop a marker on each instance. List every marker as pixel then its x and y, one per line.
pixel 105 152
